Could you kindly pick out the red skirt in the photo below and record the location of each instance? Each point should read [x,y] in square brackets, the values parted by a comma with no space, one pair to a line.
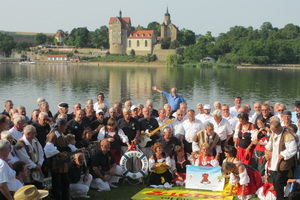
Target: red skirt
[243,157]
[116,154]
[253,185]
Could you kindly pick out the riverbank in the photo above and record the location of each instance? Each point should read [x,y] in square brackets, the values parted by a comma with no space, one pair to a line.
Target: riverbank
[270,66]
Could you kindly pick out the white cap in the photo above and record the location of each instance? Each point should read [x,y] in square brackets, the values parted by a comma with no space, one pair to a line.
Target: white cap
[206,107]
[133,107]
[99,111]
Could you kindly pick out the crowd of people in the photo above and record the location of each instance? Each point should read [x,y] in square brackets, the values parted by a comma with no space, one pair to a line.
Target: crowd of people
[81,149]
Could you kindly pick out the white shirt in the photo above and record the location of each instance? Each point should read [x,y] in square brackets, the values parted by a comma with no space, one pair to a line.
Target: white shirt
[15,133]
[35,149]
[121,133]
[223,129]
[233,111]
[191,129]
[152,162]
[177,128]
[50,149]
[290,151]
[204,118]
[161,123]
[96,105]
[243,178]
[232,120]
[8,175]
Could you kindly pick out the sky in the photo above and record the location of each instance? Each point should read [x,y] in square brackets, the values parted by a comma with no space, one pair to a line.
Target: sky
[200,16]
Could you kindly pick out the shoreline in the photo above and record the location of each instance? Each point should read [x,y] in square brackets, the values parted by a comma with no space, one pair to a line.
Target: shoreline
[270,66]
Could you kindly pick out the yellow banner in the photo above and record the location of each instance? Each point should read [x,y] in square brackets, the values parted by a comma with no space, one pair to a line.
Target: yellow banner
[173,194]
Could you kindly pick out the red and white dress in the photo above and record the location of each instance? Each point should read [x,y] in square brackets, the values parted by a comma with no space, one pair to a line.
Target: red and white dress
[208,162]
[250,178]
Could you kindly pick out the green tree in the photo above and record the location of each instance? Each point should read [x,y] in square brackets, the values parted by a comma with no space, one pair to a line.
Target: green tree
[41,38]
[186,37]
[165,44]
[23,46]
[174,59]
[79,37]
[174,44]
[6,43]
[99,38]
[156,27]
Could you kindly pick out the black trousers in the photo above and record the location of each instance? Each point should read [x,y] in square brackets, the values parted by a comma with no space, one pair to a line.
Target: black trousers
[280,180]
[187,146]
[294,195]
[60,186]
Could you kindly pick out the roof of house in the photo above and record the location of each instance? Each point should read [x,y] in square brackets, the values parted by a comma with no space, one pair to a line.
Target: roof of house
[60,34]
[141,34]
[58,56]
[123,20]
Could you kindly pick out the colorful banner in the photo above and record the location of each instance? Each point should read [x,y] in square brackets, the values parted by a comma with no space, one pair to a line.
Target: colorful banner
[175,194]
[204,178]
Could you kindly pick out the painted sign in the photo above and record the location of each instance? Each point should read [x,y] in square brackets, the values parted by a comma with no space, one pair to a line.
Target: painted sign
[204,178]
[175,194]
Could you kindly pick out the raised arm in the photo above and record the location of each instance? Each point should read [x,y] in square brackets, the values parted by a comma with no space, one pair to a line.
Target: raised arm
[156,89]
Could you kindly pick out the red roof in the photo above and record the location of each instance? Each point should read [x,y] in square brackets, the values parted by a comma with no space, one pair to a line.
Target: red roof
[60,34]
[141,34]
[124,19]
[58,56]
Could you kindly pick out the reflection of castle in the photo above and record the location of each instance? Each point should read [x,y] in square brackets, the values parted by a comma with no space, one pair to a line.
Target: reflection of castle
[122,37]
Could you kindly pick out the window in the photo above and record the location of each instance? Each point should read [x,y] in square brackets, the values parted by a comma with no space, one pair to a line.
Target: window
[146,43]
[143,35]
[137,35]
[129,43]
[138,43]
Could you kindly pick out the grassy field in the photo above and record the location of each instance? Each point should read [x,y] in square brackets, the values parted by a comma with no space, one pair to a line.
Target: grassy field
[124,192]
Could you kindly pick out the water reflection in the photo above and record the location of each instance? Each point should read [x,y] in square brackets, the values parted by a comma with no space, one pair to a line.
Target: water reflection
[74,83]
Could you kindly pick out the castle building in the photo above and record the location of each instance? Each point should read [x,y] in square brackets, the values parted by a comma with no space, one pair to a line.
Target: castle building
[119,30]
[167,28]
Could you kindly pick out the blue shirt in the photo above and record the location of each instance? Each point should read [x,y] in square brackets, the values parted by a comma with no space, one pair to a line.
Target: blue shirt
[174,102]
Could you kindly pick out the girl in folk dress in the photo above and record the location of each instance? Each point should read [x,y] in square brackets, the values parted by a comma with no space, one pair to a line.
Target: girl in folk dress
[248,179]
[205,159]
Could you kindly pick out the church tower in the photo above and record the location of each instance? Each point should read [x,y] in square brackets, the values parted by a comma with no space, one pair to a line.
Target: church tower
[167,28]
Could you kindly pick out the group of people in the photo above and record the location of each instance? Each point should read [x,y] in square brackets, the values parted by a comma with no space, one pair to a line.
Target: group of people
[82,149]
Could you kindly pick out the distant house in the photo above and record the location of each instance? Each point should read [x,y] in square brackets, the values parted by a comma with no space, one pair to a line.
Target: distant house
[141,41]
[75,59]
[2,54]
[208,59]
[60,37]
[58,57]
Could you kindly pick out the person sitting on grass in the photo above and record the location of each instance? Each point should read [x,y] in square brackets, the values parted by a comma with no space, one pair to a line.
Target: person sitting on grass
[80,179]
[104,168]
[205,159]
[159,165]
[181,161]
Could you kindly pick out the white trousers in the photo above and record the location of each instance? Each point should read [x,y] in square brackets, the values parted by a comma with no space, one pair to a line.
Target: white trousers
[101,185]
[80,188]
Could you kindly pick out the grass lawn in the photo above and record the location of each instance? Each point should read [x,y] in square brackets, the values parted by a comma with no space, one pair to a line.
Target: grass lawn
[124,192]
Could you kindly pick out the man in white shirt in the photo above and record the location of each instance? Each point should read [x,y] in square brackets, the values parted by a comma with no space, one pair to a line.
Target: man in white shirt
[206,117]
[283,146]
[230,118]
[30,151]
[257,111]
[19,123]
[237,104]
[191,127]
[176,126]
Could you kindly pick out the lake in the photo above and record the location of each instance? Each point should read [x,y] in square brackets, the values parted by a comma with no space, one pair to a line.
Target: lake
[23,84]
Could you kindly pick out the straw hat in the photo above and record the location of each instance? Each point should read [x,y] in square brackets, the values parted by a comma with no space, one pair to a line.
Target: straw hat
[30,192]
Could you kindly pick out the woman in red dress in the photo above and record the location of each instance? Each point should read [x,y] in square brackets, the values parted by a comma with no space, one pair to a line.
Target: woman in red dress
[243,139]
[248,179]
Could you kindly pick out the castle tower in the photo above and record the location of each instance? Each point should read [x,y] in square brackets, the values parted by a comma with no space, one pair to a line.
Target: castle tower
[119,29]
[167,18]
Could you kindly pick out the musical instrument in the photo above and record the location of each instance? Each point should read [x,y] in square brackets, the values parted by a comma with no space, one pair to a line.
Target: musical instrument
[143,139]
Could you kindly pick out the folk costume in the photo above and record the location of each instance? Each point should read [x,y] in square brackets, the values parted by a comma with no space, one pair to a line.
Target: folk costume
[160,175]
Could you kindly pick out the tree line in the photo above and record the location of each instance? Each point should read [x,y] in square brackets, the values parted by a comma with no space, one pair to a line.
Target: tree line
[266,45]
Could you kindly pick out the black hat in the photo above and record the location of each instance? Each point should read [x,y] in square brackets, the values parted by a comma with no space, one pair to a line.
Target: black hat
[298,115]
[64,105]
[297,103]
[286,112]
